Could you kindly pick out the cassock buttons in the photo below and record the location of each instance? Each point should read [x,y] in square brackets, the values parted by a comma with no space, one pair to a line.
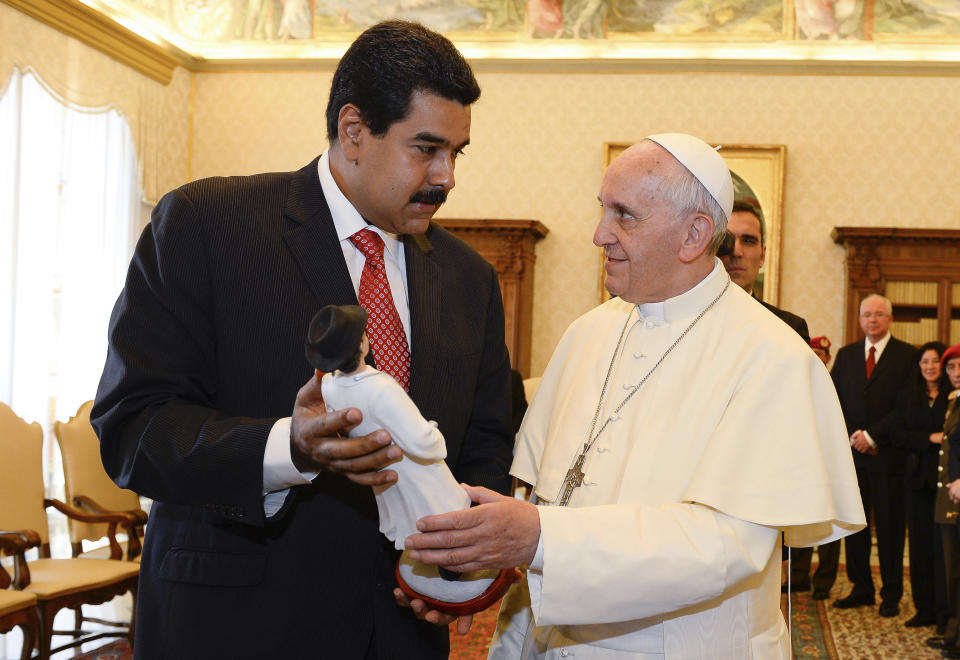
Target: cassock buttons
[939,484]
[627,386]
[614,417]
[639,355]
[941,452]
[939,468]
[602,450]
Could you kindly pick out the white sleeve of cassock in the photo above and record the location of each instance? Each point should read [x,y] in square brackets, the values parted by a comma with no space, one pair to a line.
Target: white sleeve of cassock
[633,561]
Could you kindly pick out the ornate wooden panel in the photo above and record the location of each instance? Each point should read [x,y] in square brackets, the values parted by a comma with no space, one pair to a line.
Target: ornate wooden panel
[878,255]
[510,246]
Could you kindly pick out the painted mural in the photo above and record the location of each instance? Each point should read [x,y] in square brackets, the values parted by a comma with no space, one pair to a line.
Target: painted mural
[917,17]
[282,21]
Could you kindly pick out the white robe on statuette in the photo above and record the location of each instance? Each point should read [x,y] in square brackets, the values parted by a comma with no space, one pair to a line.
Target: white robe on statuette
[424,486]
[671,547]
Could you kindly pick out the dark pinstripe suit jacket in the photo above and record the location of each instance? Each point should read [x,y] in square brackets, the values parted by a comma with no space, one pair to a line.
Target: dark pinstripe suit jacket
[206,352]
[870,404]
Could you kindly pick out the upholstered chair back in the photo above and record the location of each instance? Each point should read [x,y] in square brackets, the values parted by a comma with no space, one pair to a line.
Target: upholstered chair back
[21,475]
[530,386]
[83,474]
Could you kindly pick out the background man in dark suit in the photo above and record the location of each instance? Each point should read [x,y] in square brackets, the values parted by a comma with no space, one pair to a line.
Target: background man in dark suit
[263,541]
[868,375]
[743,263]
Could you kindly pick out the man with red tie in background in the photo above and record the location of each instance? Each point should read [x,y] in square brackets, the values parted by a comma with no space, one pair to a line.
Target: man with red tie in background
[868,375]
[264,538]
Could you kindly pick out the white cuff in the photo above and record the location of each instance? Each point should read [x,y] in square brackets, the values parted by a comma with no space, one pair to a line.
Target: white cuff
[279,471]
[537,563]
[870,441]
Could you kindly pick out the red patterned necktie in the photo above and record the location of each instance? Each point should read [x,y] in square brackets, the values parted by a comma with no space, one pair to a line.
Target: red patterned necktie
[871,361]
[384,329]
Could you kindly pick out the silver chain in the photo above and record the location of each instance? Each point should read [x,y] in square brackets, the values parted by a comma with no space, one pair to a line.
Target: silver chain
[606,381]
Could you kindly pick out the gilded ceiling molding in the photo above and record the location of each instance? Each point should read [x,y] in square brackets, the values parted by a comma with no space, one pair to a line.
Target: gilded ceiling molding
[157,56]
[79,21]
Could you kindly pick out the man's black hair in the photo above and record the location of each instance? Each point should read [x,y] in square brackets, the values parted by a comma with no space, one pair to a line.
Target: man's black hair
[388,63]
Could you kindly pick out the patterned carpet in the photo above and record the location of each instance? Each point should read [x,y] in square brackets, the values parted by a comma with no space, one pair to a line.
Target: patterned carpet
[819,631]
[859,633]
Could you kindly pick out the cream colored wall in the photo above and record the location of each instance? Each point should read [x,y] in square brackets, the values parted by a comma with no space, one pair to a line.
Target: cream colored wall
[870,151]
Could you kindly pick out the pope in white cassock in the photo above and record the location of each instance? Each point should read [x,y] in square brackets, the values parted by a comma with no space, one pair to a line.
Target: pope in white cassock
[677,431]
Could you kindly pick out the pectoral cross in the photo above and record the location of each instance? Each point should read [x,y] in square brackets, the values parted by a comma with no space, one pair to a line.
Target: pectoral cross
[574,478]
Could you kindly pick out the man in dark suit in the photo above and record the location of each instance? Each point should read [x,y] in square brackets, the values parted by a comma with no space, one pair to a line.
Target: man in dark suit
[868,375]
[263,541]
[744,261]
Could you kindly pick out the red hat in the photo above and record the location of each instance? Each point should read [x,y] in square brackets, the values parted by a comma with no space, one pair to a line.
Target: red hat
[820,342]
[949,354]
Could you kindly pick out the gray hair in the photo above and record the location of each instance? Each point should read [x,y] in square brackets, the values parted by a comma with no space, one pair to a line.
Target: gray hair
[877,296]
[688,196]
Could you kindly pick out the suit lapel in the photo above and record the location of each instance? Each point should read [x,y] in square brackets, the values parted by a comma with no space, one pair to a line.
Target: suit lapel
[424,290]
[312,240]
[884,361]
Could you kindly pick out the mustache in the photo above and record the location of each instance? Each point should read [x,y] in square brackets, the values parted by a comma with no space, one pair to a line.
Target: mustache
[434,196]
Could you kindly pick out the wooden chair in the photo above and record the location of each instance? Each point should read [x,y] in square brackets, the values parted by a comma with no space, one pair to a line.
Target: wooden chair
[89,489]
[530,386]
[56,583]
[17,608]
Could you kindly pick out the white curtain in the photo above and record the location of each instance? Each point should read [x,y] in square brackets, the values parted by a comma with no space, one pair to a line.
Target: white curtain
[69,209]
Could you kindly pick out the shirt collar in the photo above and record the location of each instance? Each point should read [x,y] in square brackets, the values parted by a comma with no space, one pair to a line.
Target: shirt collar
[346,219]
[689,303]
[880,345]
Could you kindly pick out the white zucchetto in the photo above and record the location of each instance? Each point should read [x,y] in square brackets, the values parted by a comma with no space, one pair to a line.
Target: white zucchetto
[703,162]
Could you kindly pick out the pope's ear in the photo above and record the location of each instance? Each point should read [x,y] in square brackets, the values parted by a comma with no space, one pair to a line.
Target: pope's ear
[698,232]
[350,128]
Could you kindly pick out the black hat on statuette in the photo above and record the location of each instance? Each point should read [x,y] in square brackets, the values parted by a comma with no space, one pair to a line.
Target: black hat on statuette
[334,336]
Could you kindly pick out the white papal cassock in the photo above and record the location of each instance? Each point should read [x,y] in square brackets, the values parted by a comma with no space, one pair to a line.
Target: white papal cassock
[671,547]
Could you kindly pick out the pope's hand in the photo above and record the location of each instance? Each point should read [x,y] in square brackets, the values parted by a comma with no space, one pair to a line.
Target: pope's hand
[424,613]
[318,441]
[501,532]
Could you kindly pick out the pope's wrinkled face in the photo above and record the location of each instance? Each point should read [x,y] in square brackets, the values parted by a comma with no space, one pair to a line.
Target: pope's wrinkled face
[638,229]
[930,366]
[953,371]
[407,172]
[875,319]
[744,262]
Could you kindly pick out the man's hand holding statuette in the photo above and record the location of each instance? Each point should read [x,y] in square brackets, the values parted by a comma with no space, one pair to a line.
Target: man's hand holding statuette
[318,441]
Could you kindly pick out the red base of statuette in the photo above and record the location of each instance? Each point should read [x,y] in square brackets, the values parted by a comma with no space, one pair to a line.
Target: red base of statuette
[491,595]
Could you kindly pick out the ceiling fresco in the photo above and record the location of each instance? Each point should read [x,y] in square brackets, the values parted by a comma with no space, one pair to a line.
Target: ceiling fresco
[297,28]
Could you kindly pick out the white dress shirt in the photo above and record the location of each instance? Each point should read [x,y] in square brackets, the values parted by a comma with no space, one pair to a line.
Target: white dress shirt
[879,346]
[279,472]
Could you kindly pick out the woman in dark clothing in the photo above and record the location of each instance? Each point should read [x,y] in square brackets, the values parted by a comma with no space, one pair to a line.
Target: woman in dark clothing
[918,428]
